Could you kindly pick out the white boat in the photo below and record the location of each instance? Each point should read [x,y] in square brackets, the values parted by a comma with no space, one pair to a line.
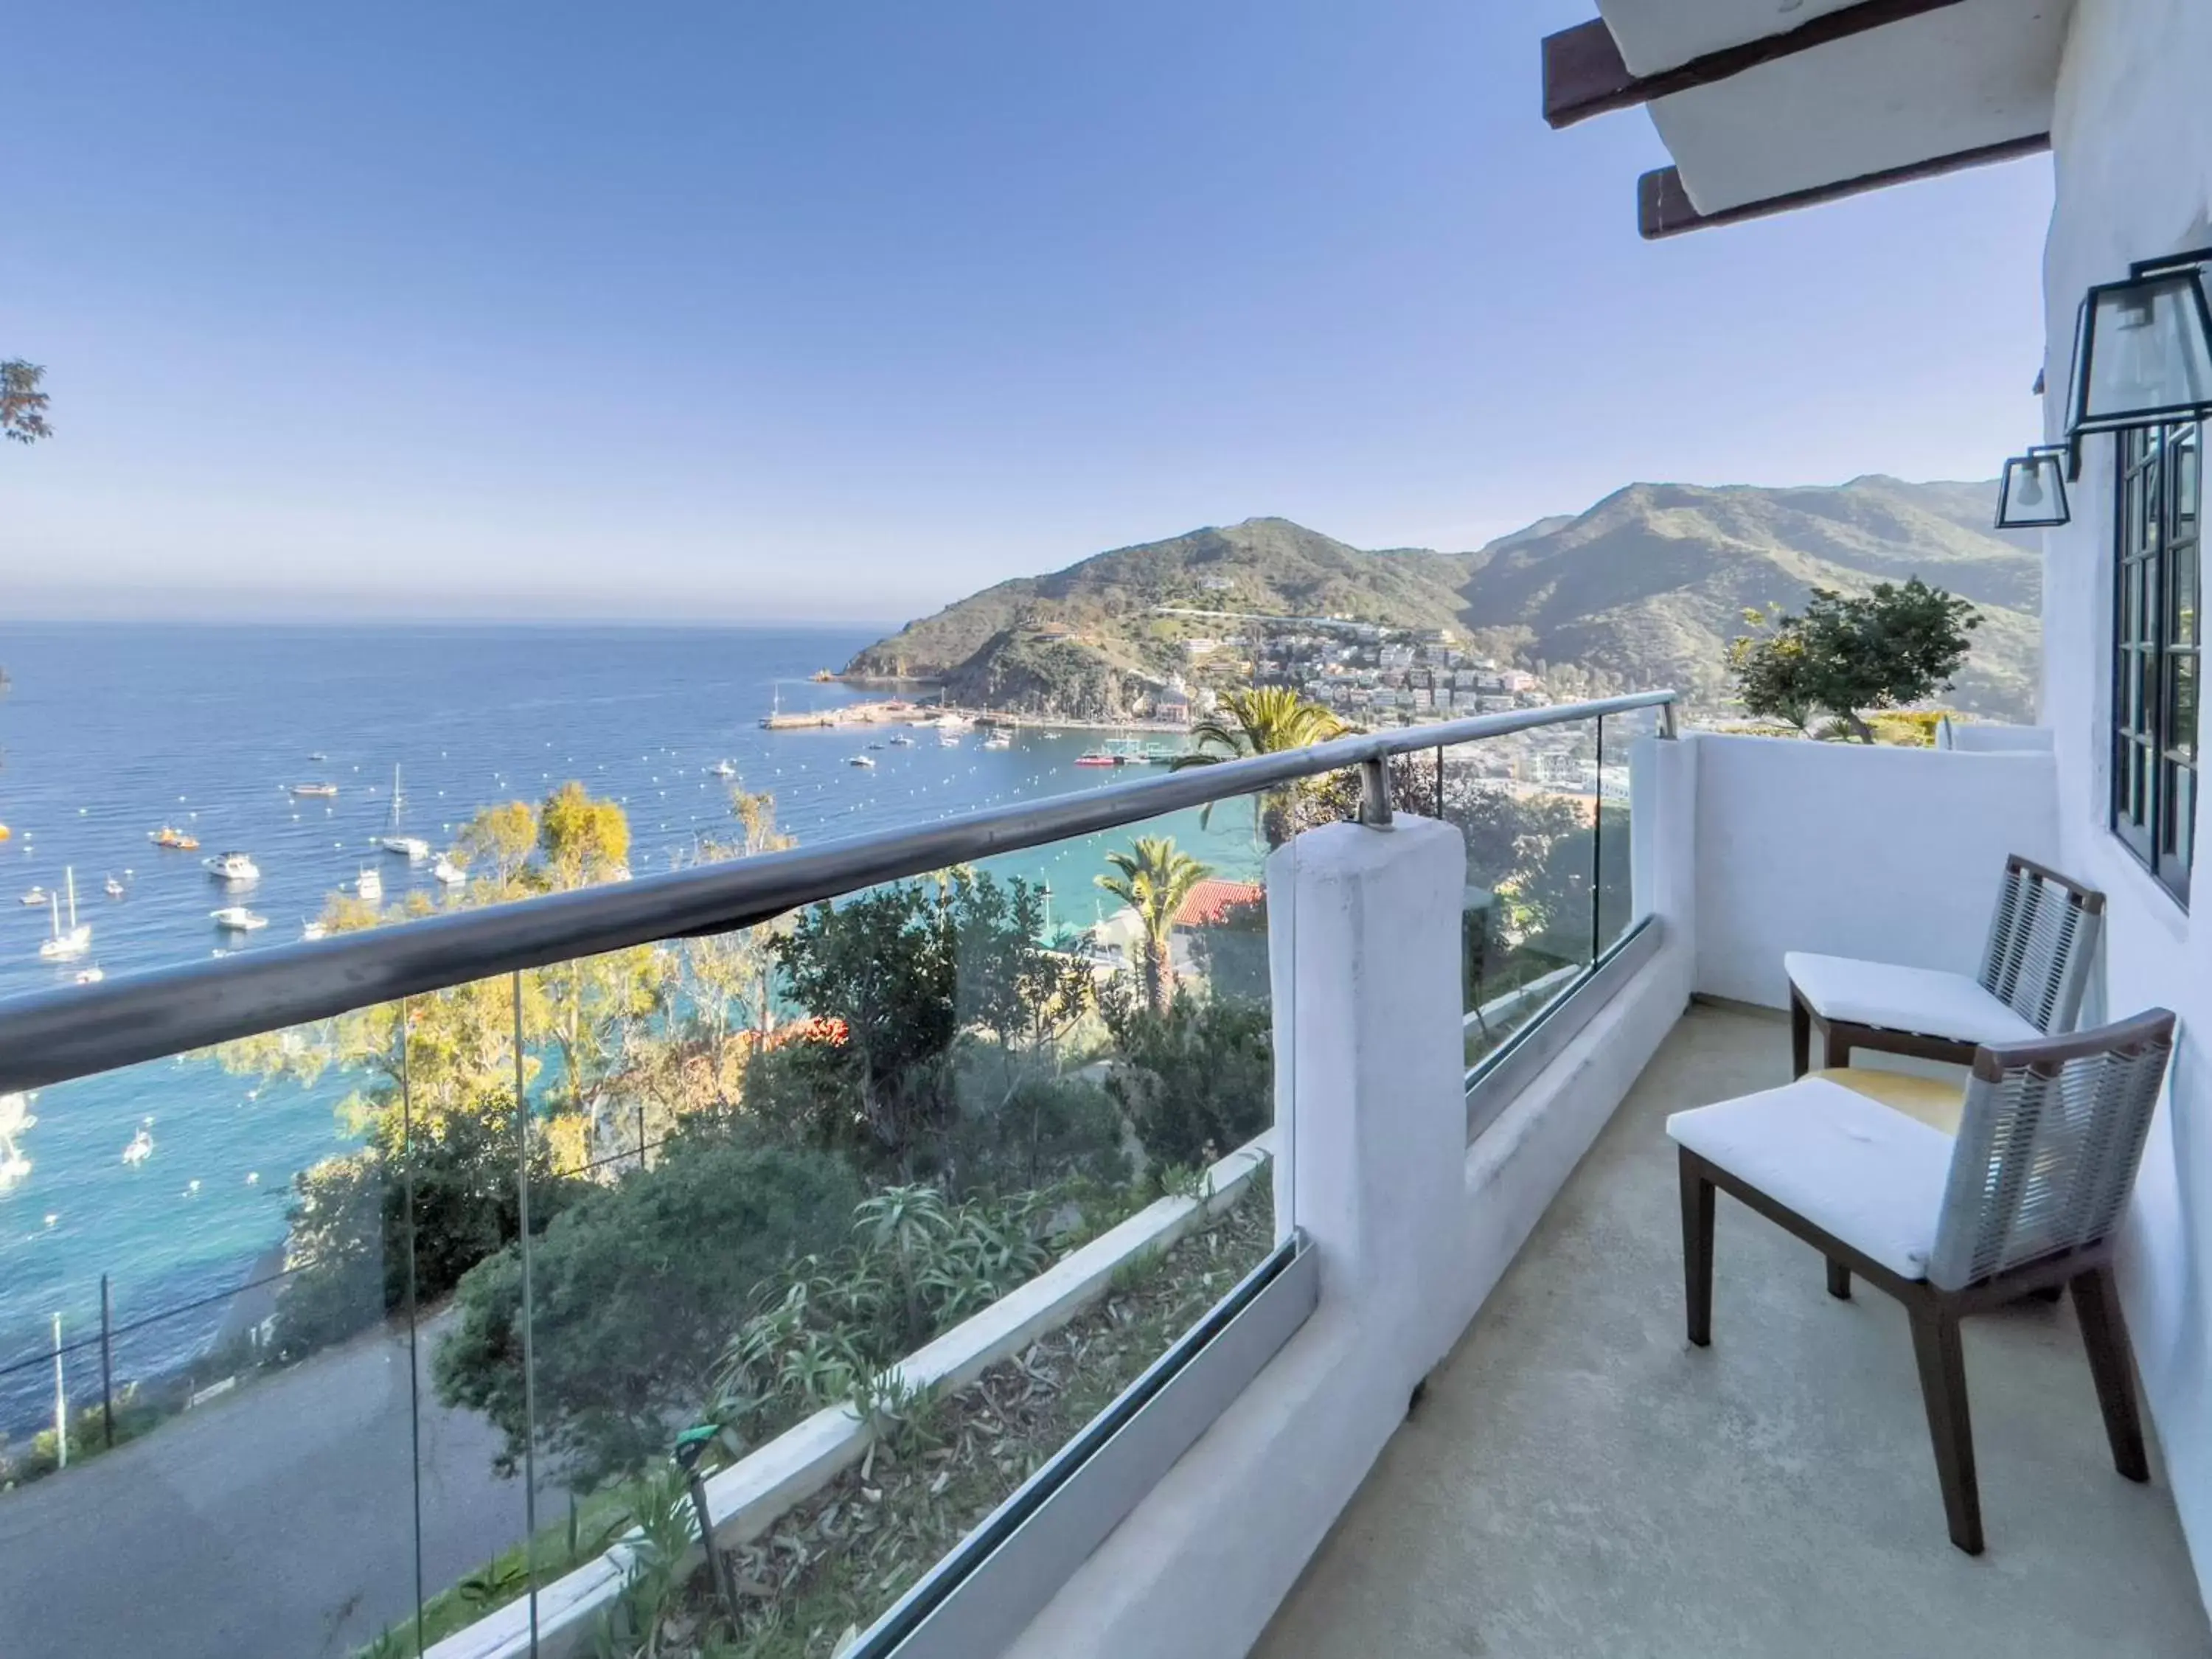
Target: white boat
[368,885]
[413,849]
[91,975]
[858,760]
[141,1147]
[313,930]
[901,741]
[37,895]
[948,739]
[237,919]
[232,866]
[15,1118]
[447,873]
[317,791]
[723,769]
[69,944]
[1000,740]
[115,888]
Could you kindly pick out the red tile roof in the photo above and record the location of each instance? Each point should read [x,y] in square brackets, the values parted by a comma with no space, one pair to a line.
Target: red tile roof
[1211,901]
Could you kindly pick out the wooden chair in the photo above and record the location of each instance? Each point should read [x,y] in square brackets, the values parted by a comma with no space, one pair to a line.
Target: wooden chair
[2033,970]
[2026,1198]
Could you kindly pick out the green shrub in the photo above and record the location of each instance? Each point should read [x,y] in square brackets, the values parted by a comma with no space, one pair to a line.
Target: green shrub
[1198,1081]
[634,1290]
[351,1223]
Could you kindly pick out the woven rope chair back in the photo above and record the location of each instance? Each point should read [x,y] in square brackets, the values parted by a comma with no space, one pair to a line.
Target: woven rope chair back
[2047,1148]
[2040,945]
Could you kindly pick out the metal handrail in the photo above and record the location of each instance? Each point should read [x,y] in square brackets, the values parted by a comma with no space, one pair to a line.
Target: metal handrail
[51,1036]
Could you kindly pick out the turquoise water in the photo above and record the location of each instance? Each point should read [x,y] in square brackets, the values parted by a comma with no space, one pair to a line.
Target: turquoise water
[109,731]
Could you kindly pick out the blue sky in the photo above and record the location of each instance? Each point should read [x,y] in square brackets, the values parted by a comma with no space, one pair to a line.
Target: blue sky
[841,311]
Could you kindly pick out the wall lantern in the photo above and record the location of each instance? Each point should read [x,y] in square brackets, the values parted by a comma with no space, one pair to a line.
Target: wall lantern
[2143,349]
[2032,496]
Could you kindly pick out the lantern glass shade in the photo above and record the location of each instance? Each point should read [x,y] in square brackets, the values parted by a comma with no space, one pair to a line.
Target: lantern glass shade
[2143,353]
[2032,496]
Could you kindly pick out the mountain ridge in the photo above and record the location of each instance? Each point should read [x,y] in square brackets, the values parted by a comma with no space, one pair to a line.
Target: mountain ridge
[1644,587]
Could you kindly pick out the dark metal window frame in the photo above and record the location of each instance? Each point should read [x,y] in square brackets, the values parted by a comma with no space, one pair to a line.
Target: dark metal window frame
[2157,637]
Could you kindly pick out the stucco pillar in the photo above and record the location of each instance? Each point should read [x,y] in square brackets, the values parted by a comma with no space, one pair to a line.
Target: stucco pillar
[1370,1110]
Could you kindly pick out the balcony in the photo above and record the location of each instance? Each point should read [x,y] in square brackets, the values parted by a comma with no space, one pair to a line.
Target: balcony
[1471,1198]
[1576,1478]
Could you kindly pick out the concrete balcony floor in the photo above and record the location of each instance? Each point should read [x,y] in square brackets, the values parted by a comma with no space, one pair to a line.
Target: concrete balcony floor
[1579,1481]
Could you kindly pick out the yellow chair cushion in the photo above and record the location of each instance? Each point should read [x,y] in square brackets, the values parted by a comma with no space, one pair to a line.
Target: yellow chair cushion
[1931,1101]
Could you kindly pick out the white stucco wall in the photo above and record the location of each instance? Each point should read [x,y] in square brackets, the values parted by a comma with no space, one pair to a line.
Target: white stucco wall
[1889,853]
[2133,164]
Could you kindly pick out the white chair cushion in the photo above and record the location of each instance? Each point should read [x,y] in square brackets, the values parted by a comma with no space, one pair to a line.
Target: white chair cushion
[1925,1000]
[1871,1177]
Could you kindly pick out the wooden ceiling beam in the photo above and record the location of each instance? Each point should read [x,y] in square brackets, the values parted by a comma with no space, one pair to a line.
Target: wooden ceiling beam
[1664,208]
[1585,76]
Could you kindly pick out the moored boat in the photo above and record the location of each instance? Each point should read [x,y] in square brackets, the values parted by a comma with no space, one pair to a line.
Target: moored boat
[168,835]
[232,866]
[237,919]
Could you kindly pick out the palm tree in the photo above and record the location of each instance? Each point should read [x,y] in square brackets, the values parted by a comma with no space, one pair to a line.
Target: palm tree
[1153,878]
[1264,720]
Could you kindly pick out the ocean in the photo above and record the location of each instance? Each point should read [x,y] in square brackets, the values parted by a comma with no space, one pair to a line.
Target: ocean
[108,731]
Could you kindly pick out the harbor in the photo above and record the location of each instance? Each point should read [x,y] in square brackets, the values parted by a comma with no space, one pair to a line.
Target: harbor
[901,711]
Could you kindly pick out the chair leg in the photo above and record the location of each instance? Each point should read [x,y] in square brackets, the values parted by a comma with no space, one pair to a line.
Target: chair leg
[1942,1364]
[1835,1048]
[2104,1333]
[1800,1036]
[1839,1280]
[1698,1250]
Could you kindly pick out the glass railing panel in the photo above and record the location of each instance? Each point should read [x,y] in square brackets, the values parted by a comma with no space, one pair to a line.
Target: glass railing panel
[1620,905]
[1527,805]
[957,1082]
[216,1456]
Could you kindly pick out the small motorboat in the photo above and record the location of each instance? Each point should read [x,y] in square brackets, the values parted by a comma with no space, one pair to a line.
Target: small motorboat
[232,866]
[91,975]
[115,888]
[177,840]
[858,760]
[37,895]
[948,739]
[1000,740]
[722,768]
[447,873]
[317,791]
[141,1147]
[1098,757]
[901,741]
[1053,735]
[369,885]
[313,931]
[319,756]
[237,919]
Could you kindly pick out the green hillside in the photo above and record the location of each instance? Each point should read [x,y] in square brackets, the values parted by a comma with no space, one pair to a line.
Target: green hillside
[1643,589]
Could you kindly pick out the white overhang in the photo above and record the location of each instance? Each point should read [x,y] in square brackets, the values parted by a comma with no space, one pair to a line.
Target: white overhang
[1771,104]
[1963,80]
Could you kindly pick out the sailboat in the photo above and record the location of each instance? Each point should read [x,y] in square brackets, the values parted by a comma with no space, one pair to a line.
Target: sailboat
[65,946]
[410,848]
[15,1118]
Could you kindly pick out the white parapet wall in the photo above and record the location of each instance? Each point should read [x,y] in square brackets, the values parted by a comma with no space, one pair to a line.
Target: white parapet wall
[1413,1226]
[1855,850]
